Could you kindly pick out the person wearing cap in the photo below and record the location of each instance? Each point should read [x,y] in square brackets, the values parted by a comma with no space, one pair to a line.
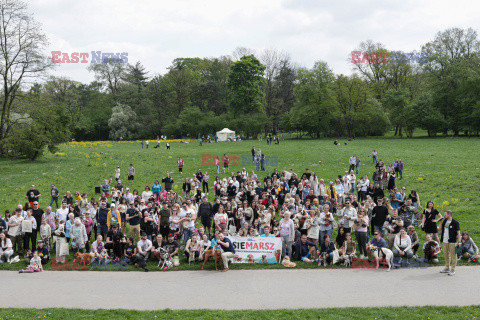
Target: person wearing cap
[113,217]
[332,191]
[115,241]
[144,247]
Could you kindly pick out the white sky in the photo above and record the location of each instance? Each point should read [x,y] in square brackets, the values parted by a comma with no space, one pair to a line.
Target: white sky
[156,32]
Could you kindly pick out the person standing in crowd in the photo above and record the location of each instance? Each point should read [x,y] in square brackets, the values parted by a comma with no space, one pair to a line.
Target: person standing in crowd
[180,165]
[352,162]
[450,238]
[205,183]
[106,188]
[226,161]
[133,218]
[168,145]
[29,229]
[32,195]
[379,216]
[375,156]
[54,193]
[147,143]
[400,167]
[429,220]
[167,182]
[15,231]
[117,173]
[131,174]
[357,163]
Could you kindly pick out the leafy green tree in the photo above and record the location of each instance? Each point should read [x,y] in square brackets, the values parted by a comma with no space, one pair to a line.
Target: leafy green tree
[246,84]
[315,107]
[123,122]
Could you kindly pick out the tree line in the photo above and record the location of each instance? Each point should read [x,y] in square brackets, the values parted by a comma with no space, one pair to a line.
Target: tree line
[250,93]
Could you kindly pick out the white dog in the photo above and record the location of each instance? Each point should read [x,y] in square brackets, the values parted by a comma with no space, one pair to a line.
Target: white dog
[385,252]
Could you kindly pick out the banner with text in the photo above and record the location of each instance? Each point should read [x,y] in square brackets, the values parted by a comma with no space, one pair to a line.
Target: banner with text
[257,250]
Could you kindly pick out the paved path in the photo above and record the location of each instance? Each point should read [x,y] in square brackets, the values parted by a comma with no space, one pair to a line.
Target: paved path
[242,289]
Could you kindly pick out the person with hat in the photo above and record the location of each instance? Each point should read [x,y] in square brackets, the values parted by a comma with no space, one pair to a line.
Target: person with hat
[115,241]
[144,247]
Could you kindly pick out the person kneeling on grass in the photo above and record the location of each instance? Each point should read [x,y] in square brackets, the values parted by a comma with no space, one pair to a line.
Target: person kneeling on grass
[431,249]
[403,245]
[306,251]
[227,248]
[35,264]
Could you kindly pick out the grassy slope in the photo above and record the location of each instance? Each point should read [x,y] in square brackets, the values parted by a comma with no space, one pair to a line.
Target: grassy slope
[471,312]
[445,170]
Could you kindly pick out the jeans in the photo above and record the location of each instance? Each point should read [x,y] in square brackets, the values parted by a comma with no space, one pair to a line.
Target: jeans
[374,159]
[52,200]
[286,245]
[362,239]
[356,167]
[321,234]
[401,174]
[470,251]
[187,233]
[379,228]
[102,229]
[6,255]
[408,253]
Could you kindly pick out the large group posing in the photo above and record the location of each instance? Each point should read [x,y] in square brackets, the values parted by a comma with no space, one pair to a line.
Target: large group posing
[133,227]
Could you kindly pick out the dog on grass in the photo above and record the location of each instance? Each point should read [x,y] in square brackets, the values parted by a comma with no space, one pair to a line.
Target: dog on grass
[378,253]
[166,257]
[83,257]
[211,253]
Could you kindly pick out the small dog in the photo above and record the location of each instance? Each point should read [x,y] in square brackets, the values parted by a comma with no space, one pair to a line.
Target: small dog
[83,257]
[322,259]
[348,260]
[191,257]
[287,263]
[250,258]
[166,257]
[212,253]
[377,252]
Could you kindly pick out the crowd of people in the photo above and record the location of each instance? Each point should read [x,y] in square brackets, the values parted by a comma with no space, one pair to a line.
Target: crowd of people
[317,221]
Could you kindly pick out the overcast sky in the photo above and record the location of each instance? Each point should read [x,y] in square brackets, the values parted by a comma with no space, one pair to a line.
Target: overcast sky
[156,32]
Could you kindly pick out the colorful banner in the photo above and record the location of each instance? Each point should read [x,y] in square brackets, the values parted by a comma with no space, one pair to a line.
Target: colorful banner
[257,249]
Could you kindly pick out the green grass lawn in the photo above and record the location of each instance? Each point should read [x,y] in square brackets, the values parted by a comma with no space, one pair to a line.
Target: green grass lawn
[470,312]
[445,170]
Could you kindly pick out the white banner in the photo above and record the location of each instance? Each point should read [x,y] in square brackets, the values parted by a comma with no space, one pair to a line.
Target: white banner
[257,249]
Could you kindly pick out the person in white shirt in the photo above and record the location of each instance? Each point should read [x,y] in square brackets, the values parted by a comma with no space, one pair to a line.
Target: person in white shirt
[187,218]
[62,213]
[351,178]
[29,229]
[352,161]
[144,247]
[147,194]
[6,250]
[15,231]
[363,188]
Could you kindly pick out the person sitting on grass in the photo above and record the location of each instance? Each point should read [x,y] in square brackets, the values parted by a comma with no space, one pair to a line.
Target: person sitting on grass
[130,251]
[326,250]
[43,252]
[469,249]
[414,239]
[306,251]
[403,245]
[431,249]
[35,264]
[6,250]
[172,247]
[144,247]
[192,248]
[228,251]
[349,247]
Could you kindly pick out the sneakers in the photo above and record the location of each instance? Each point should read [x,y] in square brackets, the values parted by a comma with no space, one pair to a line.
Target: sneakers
[451,273]
[459,258]
[445,271]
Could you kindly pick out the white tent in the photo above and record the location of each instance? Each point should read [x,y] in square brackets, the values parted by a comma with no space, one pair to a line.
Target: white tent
[224,134]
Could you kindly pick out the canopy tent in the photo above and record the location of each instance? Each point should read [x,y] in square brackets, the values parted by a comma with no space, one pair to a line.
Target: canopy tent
[224,134]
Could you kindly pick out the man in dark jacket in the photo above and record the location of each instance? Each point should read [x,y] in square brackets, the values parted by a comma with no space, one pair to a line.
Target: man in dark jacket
[450,238]
[306,251]
[168,181]
[102,214]
[379,216]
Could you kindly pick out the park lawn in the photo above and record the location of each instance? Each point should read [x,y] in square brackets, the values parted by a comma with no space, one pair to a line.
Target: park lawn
[445,170]
[429,312]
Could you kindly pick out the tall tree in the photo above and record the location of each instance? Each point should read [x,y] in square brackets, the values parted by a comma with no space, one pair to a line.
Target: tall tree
[22,44]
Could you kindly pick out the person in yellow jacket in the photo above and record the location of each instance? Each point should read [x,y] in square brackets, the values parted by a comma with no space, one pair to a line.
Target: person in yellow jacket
[113,216]
[331,191]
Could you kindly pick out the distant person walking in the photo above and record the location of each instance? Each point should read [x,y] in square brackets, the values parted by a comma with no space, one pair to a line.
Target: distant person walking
[375,156]
[131,174]
[352,161]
